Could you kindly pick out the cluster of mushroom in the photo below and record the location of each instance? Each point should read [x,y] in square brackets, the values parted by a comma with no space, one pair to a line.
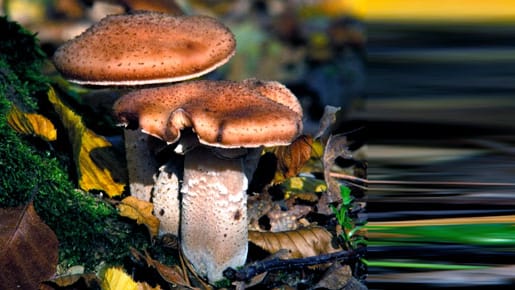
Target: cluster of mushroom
[222,124]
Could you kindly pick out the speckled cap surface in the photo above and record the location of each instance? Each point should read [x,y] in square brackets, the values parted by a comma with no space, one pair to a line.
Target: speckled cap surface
[145,48]
[224,114]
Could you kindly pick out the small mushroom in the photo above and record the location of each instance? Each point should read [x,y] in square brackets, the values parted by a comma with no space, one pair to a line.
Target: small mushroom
[227,118]
[139,49]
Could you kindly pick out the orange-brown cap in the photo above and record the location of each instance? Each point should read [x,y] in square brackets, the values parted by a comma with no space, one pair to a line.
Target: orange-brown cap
[145,48]
[224,114]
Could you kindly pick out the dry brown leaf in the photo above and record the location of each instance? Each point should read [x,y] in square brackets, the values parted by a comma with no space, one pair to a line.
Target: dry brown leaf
[31,124]
[336,277]
[141,212]
[258,206]
[28,249]
[97,167]
[287,220]
[337,146]
[171,274]
[327,121]
[291,158]
[302,243]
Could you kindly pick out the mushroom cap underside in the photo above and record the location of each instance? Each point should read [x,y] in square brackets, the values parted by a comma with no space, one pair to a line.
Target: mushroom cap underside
[224,114]
[145,48]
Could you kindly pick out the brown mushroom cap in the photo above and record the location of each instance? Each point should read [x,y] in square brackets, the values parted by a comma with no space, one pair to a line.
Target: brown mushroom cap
[224,114]
[277,92]
[145,48]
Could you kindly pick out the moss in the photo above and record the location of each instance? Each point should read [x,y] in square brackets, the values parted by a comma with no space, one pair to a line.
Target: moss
[89,229]
[21,52]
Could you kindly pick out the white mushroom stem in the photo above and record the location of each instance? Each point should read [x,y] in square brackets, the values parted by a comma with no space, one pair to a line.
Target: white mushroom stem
[214,232]
[148,183]
[141,164]
[165,197]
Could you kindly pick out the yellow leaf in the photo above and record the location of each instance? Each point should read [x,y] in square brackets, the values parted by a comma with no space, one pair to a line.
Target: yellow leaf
[87,145]
[117,279]
[141,212]
[31,124]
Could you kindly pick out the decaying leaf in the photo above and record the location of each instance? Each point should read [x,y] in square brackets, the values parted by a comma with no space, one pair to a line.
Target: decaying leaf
[336,277]
[257,206]
[336,146]
[31,124]
[28,249]
[171,274]
[291,158]
[141,212]
[328,119]
[287,220]
[302,243]
[86,145]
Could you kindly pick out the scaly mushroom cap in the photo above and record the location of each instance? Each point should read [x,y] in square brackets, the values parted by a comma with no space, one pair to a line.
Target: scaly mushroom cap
[224,114]
[145,48]
[276,92]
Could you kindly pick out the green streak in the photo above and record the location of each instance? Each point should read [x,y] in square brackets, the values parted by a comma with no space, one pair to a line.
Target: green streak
[415,265]
[495,234]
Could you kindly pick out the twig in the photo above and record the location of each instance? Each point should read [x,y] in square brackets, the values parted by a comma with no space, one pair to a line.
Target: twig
[257,268]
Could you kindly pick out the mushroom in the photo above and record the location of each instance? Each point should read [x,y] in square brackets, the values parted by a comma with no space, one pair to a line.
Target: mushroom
[145,48]
[226,118]
[140,49]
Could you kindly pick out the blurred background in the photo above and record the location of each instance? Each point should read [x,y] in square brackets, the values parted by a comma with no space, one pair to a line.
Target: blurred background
[439,116]
[429,87]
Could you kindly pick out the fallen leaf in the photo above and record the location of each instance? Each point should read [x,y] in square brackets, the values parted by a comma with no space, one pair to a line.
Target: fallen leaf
[336,277]
[28,249]
[297,185]
[141,212]
[86,145]
[287,220]
[257,206]
[31,124]
[328,119]
[291,158]
[117,279]
[301,243]
[337,146]
[171,274]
